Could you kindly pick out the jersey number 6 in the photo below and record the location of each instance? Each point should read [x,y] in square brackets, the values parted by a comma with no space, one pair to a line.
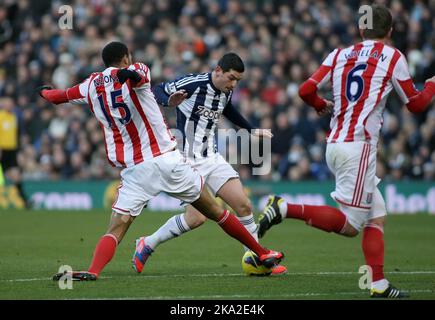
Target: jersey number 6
[357,80]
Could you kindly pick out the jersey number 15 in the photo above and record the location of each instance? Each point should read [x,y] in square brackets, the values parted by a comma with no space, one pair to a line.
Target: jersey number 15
[116,97]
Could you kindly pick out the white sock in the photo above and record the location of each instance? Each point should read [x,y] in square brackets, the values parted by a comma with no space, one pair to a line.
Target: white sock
[249,223]
[283,209]
[380,285]
[174,227]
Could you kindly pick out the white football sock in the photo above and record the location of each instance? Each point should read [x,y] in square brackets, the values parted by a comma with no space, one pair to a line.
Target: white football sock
[380,285]
[174,227]
[249,223]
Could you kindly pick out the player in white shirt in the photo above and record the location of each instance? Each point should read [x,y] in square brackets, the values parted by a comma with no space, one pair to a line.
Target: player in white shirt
[138,140]
[362,76]
[200,100]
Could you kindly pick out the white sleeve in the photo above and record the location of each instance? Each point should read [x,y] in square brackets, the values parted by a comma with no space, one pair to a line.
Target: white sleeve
[402,81]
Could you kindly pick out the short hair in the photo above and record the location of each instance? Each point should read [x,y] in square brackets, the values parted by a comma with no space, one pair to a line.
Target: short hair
[231,61]
[113,53]
[382,23]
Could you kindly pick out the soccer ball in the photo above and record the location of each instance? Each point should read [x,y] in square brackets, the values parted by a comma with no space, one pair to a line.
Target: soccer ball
[252,266]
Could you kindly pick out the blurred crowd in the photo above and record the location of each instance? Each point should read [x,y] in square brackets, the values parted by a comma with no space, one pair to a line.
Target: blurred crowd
[281,43]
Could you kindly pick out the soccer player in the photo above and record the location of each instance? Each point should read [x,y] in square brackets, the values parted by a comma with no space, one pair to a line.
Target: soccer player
[138,140]
[362,77]
[200,100]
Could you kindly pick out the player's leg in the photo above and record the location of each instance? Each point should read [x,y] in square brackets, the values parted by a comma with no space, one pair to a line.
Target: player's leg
[175,227]
[172,181]
[224,182]
[353,166]
[325,218]
[232,226]
[106,247]
[232,193]
[133,195]
[182,182]
[373,249]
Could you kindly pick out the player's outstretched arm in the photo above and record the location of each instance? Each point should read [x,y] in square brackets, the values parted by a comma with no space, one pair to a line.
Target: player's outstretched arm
[59,96]
[420,101]
[308,93]
[416,101]
[232,114]
[168,100]
[176,98]
[308,89]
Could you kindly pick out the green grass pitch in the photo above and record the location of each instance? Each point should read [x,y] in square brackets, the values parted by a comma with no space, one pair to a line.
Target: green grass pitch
[205,263]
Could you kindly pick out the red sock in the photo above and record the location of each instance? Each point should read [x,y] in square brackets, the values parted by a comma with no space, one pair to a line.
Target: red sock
[373,248]
[322,217]
[103,253]
[235,229]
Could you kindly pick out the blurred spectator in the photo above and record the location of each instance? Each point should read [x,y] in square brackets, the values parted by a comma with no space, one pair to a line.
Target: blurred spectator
[9,145]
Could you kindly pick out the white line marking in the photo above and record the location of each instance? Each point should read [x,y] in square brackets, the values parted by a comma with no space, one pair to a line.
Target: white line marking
[211,275]
[244,296]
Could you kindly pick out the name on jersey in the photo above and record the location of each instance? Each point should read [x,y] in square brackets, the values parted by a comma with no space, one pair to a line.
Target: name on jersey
[366,53]
[100,81]
[207,113]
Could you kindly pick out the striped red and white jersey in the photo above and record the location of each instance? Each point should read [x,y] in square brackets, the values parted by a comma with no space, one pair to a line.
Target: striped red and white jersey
[133,125]
[362,76]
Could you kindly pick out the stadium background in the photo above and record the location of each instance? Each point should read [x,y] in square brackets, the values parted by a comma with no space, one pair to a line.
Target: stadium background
[63,161]
[61,150]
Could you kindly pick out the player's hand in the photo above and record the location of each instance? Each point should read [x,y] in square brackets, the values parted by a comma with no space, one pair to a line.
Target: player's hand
[176,98]
[125,74]
[327,109]
[42,88]
[264,133]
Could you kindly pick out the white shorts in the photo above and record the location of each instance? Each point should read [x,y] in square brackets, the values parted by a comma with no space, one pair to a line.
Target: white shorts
[166,173]
[215,171]
[354,167]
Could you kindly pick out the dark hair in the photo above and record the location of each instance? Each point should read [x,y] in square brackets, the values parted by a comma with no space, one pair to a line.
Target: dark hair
[113,53]
[382,23]
[231,61]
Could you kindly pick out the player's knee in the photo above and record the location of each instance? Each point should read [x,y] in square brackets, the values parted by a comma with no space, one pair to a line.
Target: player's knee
[119,224]
[377,222]
[244,209]
[115,233]
[349,231]
[352,234]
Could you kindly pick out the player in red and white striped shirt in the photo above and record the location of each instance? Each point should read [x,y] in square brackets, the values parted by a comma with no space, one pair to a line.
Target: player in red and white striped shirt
[134,129]
[137,139]
[362,76]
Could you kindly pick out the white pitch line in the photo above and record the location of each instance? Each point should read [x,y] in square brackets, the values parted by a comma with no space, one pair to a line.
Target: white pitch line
[246,296]
[24,280]
[207,275]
